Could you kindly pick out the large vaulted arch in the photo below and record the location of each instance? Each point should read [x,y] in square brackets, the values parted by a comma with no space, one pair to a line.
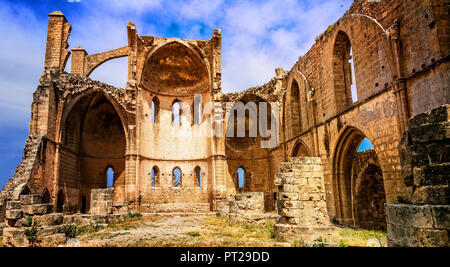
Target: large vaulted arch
[93,139]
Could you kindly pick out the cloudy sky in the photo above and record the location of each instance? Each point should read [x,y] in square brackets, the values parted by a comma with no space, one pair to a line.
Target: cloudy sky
[257,37]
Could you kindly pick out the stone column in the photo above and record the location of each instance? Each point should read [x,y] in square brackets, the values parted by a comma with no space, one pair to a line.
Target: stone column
[78,61]
[301,202]
[56,52]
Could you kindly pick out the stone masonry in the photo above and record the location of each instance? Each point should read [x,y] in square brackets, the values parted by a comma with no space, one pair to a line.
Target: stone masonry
[248,208]
[301,202]
[102,201]
[397,51]
[423,218]
[30,214]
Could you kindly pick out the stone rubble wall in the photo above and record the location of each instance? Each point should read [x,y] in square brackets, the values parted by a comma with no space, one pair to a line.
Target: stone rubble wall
[301,202]
[422,220]
[23,174]
[29,213]
[246,208]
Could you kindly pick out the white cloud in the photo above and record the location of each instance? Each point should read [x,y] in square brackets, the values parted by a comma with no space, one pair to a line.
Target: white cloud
[22,59]
[257,37]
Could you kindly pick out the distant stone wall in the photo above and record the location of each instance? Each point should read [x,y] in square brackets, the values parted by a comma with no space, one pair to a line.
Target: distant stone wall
[301,202]
[425,159]
[368,191]
[174,207]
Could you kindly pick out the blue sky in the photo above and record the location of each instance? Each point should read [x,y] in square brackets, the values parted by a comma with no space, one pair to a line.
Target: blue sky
[257,37]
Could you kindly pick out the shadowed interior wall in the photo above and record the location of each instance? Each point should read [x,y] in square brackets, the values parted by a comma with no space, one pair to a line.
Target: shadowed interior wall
[94,140]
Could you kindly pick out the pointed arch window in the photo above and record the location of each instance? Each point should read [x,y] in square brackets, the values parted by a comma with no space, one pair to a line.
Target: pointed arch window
[198,176]
[241,177]
[177,177]
[110,177]
[176,113]
[155,177]
[344,72]
[155,110]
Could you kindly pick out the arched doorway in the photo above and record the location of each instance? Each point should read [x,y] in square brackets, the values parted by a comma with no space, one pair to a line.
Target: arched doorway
[93,139]
[358,182]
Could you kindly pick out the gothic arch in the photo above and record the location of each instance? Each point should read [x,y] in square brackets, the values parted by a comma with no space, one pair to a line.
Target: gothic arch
[197,69]
[298,95]
[93,137]
[300,150]
[74,99]
[368,41]
[345,149]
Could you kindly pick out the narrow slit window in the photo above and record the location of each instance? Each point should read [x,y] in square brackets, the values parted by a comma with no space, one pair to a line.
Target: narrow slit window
[241,177]
[177,177]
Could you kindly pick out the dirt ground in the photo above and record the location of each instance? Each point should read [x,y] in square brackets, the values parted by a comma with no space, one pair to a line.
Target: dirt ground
[199,231]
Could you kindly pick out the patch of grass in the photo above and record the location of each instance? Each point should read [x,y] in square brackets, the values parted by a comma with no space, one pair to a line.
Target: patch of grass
[342,244]
[299,243]
[69,230]
[220,231]
[193,234]
[136,215]
[88,229]
[359,238]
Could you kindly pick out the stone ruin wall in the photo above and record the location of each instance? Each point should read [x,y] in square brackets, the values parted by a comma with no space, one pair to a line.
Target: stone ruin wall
[422,218]
[400,57]
[400,51]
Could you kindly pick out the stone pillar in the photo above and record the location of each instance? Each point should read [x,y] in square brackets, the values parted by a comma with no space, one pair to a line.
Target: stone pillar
[301,202]
[56,52]
[422,219]
[102,201]
[78,61]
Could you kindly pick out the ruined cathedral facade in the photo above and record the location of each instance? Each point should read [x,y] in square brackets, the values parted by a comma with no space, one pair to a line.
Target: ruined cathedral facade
[395,53]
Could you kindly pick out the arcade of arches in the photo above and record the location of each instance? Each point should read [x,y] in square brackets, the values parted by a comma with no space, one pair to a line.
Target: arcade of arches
[364,77]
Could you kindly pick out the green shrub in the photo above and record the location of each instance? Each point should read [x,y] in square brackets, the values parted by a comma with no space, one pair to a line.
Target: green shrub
[69,230]
[31,235]
[29,221]
[136,215]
